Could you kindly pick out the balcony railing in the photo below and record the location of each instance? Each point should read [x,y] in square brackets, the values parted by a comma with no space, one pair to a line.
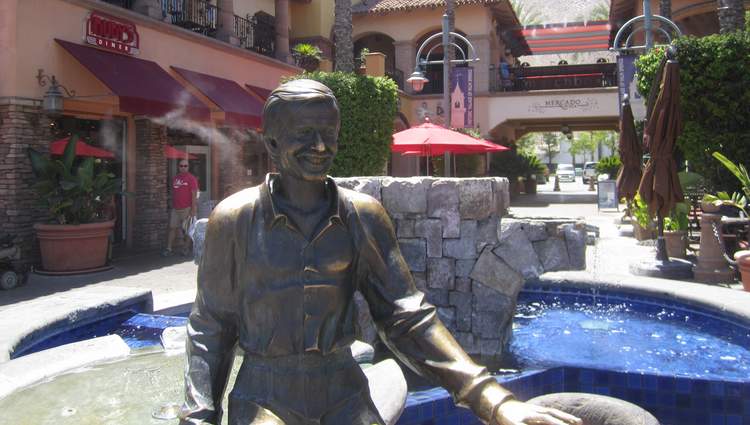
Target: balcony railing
[196,15]
[127,4]
[554,77]
[256,33]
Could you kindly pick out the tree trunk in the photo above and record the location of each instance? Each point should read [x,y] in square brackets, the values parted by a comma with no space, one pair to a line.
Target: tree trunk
[342,36]
[731,15]
[665,8]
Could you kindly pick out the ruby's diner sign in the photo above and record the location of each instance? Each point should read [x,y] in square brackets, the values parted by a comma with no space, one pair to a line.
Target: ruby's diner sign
[111,33]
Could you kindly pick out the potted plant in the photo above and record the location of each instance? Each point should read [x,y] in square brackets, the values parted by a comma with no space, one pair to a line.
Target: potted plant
[508,164]
[531,168]
[675,231]
[743,264]
[307,56]
[608,165]
[362,59]
[643,227]
[75,194]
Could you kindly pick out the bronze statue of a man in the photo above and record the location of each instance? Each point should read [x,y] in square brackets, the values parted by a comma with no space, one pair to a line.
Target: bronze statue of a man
[282,261]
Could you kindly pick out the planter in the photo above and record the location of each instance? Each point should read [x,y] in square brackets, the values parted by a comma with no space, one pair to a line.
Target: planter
[308,63]
[676,243]
[642,233]
[69,248]
[530,186]
[743,263]
[514,188]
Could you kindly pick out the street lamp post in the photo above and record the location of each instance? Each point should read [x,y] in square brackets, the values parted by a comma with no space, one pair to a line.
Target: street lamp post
[418,80]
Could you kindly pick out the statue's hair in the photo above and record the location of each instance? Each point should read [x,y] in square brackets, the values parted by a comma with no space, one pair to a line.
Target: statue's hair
[288,97]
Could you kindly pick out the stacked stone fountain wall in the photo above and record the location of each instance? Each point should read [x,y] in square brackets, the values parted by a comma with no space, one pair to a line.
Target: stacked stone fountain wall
[468,262]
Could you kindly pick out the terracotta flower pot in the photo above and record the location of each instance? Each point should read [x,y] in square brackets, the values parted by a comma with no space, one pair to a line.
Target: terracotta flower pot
[676,243]
[743,263]
[642,233]
[530,186]
[67,248]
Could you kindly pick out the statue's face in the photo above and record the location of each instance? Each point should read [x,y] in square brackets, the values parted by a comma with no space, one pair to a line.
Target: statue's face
[306,148]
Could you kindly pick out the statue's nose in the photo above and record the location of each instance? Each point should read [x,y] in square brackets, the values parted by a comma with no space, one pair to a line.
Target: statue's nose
[318,145]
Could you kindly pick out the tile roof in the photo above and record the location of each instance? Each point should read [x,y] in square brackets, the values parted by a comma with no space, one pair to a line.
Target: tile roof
[388,6]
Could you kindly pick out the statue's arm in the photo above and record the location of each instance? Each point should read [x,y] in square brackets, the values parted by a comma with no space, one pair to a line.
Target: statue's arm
[212,328]
[409,325]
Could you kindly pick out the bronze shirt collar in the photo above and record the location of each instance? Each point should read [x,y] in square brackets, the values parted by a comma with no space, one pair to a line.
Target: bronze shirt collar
[273,214]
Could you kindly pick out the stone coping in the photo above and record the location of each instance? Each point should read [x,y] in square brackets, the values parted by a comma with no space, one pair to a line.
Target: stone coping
[37,367]
[726,302]
[26,322]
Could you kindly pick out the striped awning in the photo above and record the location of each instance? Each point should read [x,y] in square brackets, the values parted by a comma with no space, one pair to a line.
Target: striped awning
[567,38]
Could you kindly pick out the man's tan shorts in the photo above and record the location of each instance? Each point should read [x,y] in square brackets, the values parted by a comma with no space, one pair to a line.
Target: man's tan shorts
[176,217]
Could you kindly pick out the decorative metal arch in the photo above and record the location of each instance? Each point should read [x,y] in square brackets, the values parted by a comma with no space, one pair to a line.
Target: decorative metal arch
[641,19]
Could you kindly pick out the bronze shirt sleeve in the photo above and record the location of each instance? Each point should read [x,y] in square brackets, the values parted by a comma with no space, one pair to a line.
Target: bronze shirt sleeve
[212,328]
[408,324]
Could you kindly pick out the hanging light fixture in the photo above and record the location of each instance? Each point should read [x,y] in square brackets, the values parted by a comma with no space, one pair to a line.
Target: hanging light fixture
[52,102]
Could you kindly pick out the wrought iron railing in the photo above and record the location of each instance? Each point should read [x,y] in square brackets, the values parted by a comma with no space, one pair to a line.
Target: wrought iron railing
[256,33]
[127,4]
[196,15]
[554,77]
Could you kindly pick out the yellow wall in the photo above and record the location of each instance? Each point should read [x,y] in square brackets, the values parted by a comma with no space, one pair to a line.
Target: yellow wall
[409,26]
[242,8]
[41,21]
[314,19]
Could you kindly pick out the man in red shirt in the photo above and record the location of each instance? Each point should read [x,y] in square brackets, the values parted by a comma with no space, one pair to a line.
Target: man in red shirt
[184,206]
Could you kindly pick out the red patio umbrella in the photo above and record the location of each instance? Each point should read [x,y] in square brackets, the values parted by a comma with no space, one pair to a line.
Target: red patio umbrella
[174,153]
[82,149]
[428,139]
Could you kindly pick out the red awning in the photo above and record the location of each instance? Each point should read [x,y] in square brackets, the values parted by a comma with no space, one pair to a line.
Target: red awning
[260,91]
[142,86]
[240,107]
[171,152]
[567,38]
[82,149]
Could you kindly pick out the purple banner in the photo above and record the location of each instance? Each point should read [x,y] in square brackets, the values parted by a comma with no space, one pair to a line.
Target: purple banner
[628,85]
[462,97]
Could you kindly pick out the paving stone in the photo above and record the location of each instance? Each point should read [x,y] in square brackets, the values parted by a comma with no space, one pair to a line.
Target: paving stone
[535,231]
[476,199]
[463,267]
[519,253]
[501,191]
[405,195]
[596,409]
[488,231]
[491,347]
[463,284]
[442,198]
[369,186]
[465,247]
[415,253]
[467,341]
[487,324]
[441,273]
[420,281]
[405,228]
[451,222]
[432,231]
[488,299]
[492,271]
[463,302]
[437,297]
[553,254]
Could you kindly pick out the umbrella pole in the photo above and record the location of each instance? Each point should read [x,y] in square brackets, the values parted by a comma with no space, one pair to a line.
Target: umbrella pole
[661,243]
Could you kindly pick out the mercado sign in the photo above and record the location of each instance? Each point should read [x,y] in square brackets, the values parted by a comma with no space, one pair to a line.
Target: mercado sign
[565,104]
[111,33]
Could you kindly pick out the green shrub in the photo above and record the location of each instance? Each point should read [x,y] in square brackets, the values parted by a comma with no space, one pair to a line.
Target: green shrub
[678,219]
[609,165]
[531,165]
[507,164]
[640,212]
[368,105]
[715,100]
[307,50]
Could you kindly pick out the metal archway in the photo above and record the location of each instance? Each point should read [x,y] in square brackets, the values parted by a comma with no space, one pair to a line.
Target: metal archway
[646,27]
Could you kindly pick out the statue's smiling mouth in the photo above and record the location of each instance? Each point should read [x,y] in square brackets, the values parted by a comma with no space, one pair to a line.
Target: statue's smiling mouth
[316,160]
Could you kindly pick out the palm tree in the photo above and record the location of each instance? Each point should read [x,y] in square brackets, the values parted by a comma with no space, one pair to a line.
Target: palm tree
[526,15]
[342,36]
[665,8]
[600,11]
[731,15]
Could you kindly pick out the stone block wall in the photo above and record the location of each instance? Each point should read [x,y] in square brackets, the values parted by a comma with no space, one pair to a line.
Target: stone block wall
[151,194]
[22,125]
[468,262]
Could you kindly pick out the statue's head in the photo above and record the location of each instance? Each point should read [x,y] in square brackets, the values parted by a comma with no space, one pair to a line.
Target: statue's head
[301,127]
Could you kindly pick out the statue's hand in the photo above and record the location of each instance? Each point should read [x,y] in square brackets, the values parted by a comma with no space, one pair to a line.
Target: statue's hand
[514,412]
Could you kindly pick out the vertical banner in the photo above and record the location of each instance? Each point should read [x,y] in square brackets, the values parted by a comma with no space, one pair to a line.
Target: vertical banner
[628,85]
[462,97]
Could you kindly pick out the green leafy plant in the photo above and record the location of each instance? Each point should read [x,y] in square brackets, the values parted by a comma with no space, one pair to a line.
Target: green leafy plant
[678,219]
[738,170]
[609,165]
[362,58]
[736,200]
[73,192]
[714,98]
[641,213]
[507,164]
[307,50]
[367,105]
[531,165]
